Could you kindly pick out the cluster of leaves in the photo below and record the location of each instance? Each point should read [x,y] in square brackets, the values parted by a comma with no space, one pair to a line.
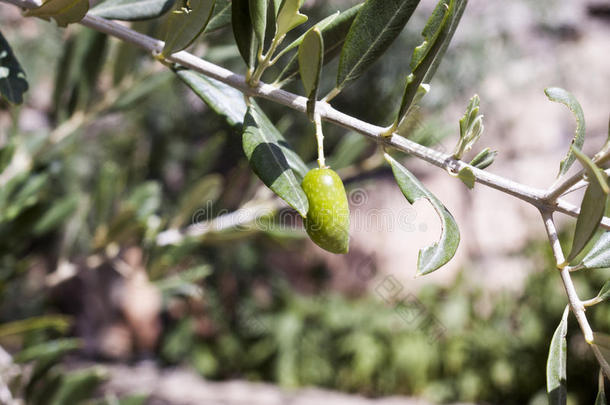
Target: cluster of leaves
[364,345]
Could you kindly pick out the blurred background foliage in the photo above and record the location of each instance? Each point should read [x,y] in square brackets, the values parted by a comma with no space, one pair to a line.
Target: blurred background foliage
[114,150]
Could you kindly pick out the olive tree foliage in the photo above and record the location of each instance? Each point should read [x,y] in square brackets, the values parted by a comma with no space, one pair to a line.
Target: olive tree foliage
[273,55]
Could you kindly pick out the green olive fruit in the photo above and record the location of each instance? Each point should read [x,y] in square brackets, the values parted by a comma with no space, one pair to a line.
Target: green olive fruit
[327,221]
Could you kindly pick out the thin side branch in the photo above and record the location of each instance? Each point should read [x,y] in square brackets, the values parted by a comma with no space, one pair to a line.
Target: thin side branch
[578,309]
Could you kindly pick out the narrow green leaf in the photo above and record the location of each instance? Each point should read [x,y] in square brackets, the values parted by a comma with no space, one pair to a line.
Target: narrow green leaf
[52,348]
[132,10]
[591,209]
[484,158]
[556,364]
[57,322]
[601,392]
[221,16]
[63,12]
[377,25]
[471,128]
[258,16]
[311,53]
[58,213]
[594,173]
[288,16]
[12,77]
[437,34]
[334,30]
[562,96]
[186,23]
[435,256]
[604,293]
[270,158]
[221,98]
[243,31]
[78,386]
[467,177]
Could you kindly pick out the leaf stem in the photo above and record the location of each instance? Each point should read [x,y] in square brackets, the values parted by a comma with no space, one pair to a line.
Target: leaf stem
[320,139]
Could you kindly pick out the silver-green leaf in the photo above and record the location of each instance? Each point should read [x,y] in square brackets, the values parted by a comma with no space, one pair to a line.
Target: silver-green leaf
[131,10]
[599,255]
[12,77]
[377,25]
[556,364]
[64,12]
[311,53]
[592,207]
[186,23]
[270,157]
[243,31]
[562,96]
[223,99]
[467,177]
[432,257]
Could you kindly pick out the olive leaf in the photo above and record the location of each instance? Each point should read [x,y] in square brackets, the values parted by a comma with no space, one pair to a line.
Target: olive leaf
[467,177]
[334,29]
[592,207]
[377,25]
[272,160]
[602,345]
[432,257]
[131,10]
[186,23]
[258,16]
[243,31]
[604,293]
[426,57]
[289,17]
[471,128]
[562,96]
[601,393]
[221,16]
[223,99]
[12,77]
[311,53]
[599,255]
[63,12]
[484,158]
[556,363]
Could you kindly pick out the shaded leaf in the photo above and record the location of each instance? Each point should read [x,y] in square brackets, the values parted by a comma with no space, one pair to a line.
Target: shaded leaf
[258,16]
[58,213]
[560,95]
[467,177]
[63,12]
[556,363]
[186,23]
[591,211]
[52,348]
[131,10]
[221,16]
[244,31]
[602,345]
[198,199]
[78,386]
[334,30]
[311,52]
[377,25]
[435,256]
[59,323]
[221,98]
[601,393]
[270,158]
[604,293]
[12,77]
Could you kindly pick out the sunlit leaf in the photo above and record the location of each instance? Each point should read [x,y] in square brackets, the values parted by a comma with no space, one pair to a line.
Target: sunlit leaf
[12,77]
[63,12]
[467,177]
[289,16]
[258,16]
[49,348]
[311,52]
[484,158]
[591,209]
[270,158]
[435,256]
[77,386]
[560,95]
[377,25]
[334,30]
[593,171]
[599,255]
[221,98]
[187,21]
[59,323]
[556,364]
[132,10]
